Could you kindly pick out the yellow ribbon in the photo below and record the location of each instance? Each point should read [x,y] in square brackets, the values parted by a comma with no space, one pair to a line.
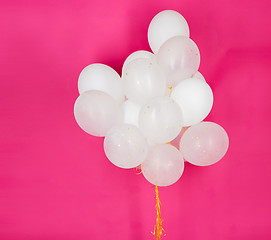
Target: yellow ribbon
[158,229]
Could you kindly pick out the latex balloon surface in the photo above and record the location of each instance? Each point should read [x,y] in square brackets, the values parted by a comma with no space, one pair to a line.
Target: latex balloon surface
[179,57]
[136,55]
[96,112]
[204,144]
[165,25]
[143,80]
[163,166]
[195,98]
[160,120]
[130,112]
[101,77]
[125,146]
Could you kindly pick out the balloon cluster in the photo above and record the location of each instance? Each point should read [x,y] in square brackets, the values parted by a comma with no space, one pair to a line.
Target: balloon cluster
[160,96]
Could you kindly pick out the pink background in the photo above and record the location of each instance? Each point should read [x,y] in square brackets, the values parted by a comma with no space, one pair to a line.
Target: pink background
[55,181]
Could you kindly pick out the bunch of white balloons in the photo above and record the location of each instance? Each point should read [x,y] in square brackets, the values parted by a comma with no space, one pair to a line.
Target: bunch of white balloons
[157,98]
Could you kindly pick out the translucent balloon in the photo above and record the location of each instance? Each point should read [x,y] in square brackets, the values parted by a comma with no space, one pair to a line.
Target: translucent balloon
[198,75]
[101,77]
[136,55]
[180,59]
[143,80]
[130,112]
[96,112]
[204,144]
[160,120]
[163,166]
[195,98]
[165,25]
[125,146]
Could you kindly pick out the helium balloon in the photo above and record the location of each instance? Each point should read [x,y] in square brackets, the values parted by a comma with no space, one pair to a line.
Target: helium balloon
[160,120]
[136,55]
[204,144]
[198,75]
[179,57]
[143,80]
[165,25]
[195,99]
[101,77]
[163,166]
[96,112]
[125,146]
[130,112]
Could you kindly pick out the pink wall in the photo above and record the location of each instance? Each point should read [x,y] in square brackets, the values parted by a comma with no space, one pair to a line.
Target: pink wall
[55,181]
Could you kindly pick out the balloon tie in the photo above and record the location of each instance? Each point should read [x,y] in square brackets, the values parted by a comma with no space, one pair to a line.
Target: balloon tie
[158,229]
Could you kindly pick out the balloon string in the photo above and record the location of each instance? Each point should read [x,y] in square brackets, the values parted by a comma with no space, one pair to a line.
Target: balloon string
[170,88]
[158,229]
[138,168]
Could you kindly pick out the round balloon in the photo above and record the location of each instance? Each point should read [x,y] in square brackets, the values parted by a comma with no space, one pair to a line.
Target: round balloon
[179,57]
[204,144]
[136,55]
[160,120]
[163,166]
[125,146]
[165,25]
[195,98]
[143,80]
[101,77]
[96,112]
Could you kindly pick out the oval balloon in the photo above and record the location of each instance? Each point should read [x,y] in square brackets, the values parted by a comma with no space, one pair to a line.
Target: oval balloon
[179,57]
[160,120]
[96,112]
[125,146]
[204,144]
[143,80]
[163,166]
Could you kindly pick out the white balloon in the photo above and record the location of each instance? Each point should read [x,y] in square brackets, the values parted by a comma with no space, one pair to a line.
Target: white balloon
[179,57]
[101,77]
[195,98]
[165,25]
[163,166]
[136,55]
[160,120]
[125,146]
[198,75]
[143,80]
[96,112]
[130,112]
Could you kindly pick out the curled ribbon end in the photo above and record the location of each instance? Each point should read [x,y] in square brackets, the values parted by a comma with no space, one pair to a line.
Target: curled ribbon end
[158,229]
